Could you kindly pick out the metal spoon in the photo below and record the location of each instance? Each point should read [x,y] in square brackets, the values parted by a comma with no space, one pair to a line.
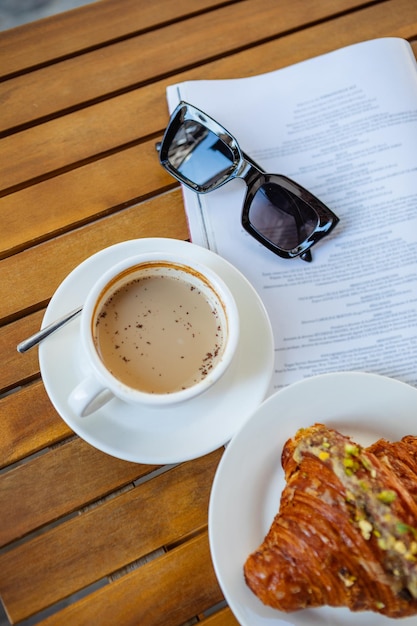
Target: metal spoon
[33,341]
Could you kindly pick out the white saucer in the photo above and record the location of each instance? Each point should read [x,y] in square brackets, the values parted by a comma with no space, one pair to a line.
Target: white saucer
[169,435]
[249,479]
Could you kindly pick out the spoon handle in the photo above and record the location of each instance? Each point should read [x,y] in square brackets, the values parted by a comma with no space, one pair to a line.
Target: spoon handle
[33,341]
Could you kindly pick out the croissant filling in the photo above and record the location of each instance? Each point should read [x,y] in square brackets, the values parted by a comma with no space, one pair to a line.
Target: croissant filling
[346,530]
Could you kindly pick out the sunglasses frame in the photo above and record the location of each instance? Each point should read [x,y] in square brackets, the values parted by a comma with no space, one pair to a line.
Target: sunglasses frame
[254,176]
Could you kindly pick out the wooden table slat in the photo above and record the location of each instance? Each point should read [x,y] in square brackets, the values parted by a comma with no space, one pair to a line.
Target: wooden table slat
[136,523]
[119,180]
[28,423]
[165,592]
[83,135]
[59,482]
[16,370]
[90,26]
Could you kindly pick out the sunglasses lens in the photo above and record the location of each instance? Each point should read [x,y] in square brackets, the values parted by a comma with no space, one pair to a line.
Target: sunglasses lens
[281,217]
[199,155]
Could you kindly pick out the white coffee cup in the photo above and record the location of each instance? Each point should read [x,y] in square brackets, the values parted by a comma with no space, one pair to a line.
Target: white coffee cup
[156,329]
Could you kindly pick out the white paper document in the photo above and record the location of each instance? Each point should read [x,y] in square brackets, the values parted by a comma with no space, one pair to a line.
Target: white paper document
[343,125]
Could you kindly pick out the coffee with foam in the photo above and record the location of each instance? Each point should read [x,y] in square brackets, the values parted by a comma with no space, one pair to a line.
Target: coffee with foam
[161,331]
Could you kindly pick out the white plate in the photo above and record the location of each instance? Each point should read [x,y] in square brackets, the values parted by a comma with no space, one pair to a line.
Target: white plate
[168,435]
[249,480]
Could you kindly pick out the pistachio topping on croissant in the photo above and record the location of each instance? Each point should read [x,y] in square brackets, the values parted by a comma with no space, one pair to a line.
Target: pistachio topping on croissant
[346,530]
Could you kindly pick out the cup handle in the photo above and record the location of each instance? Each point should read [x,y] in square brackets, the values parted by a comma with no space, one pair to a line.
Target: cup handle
[89,396]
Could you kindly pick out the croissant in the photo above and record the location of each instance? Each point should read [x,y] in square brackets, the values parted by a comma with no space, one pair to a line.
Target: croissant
[346,531]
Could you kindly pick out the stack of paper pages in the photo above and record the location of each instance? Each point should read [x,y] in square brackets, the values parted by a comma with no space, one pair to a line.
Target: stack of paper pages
[343,125]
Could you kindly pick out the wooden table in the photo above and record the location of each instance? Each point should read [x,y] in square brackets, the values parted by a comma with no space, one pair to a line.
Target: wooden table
[88,538]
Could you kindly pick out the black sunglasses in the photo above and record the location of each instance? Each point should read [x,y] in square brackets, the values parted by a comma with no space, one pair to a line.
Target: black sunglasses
[278,212]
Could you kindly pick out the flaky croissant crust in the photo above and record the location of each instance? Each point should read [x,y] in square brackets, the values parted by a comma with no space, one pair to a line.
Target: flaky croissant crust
[346,531]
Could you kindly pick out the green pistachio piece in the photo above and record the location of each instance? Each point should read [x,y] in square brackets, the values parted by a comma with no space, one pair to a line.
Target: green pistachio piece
[386,496]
